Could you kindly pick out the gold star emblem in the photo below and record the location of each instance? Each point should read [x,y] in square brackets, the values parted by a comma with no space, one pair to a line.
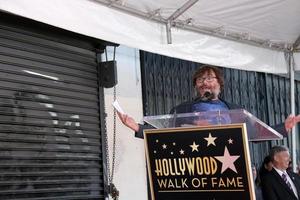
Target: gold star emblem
[194,147]
[210,140]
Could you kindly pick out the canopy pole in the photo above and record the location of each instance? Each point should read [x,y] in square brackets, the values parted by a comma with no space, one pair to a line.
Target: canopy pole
[169,34]
[292,93]
[175,15]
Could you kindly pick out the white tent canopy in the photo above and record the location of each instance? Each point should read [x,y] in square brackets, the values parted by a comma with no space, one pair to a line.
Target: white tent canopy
[243,34]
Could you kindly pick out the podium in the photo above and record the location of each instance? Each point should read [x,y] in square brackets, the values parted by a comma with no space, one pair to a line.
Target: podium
[203,155]
[256,129]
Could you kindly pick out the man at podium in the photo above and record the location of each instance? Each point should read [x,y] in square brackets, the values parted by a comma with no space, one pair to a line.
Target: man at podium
[208,81]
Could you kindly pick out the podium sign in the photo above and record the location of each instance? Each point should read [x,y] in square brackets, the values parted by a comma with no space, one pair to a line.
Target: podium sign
[208,163]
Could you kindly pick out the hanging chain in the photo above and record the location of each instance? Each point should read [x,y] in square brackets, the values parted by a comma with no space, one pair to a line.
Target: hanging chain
[114,141]
[112,190]
[114,131]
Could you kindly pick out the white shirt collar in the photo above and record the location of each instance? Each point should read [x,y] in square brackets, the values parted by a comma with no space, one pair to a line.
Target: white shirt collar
[279,171]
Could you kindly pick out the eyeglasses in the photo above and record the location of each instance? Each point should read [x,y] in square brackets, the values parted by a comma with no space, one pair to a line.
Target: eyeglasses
[208,79]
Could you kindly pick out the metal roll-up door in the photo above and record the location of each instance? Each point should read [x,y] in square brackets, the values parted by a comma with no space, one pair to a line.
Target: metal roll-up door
[49,119]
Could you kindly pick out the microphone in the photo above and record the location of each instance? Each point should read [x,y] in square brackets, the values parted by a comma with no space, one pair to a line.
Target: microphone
[207,96]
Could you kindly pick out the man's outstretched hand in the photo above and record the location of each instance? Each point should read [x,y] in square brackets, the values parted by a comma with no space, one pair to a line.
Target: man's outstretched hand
[291,121]
[128,121]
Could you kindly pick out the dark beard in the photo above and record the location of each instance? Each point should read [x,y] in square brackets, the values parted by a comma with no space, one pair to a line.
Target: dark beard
[207,96]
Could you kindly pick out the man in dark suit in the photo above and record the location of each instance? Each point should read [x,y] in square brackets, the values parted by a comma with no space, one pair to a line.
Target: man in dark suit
[280,184]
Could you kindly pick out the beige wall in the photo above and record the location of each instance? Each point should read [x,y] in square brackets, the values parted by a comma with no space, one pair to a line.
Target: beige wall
[130,169]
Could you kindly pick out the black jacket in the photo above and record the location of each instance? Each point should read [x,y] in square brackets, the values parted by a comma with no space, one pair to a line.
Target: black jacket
[274,187]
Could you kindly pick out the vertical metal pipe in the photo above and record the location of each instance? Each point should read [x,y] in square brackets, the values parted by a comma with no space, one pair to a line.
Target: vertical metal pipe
[169,35]
[292,93]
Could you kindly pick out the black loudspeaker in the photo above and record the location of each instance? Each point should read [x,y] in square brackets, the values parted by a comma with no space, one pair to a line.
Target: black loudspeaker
[108,74]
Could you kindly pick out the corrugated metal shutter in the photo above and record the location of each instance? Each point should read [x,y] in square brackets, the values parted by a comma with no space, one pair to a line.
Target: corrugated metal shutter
[49,119]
